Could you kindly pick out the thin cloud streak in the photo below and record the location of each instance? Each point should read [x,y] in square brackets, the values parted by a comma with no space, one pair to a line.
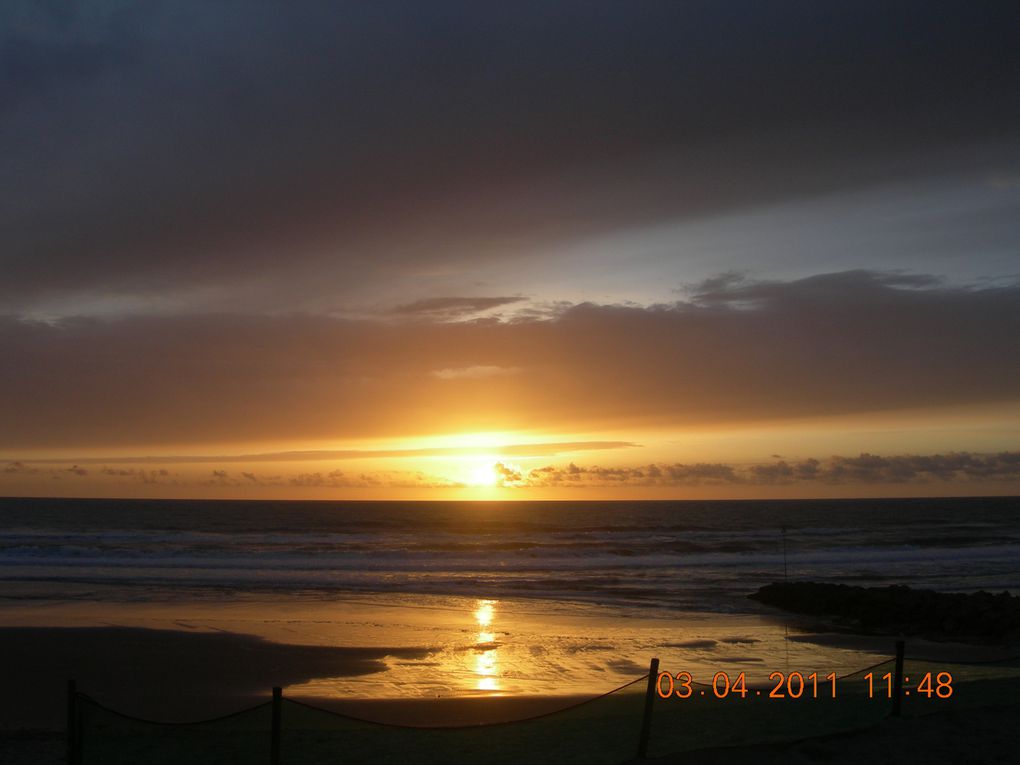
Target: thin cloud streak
[313,455]
[451,308]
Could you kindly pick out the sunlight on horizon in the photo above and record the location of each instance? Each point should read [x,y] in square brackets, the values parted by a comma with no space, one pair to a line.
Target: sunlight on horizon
[484,474]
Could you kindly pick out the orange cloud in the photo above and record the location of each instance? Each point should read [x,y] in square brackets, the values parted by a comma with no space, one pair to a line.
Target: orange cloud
[735,352]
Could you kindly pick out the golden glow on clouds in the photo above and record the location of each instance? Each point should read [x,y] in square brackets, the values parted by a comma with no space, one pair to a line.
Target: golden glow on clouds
[506,464]
[483,440]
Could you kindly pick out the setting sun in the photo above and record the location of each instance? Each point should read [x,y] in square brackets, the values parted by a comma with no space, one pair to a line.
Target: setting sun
[483,474]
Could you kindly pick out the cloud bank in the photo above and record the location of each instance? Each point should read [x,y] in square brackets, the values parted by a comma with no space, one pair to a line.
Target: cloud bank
[958,468]
[255,155]
[865,469]
[735,351]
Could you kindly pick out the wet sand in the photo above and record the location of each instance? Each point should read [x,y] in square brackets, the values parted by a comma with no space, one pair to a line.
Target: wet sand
[173,675]
[475,647]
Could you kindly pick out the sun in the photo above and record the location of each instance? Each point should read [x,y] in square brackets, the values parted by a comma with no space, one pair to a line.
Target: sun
[483,474]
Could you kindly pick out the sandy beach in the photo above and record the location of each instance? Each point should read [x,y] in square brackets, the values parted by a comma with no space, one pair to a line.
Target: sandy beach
[982,735]
[447,647]
[974,736]
[161,674]
[179,676]
[175,676]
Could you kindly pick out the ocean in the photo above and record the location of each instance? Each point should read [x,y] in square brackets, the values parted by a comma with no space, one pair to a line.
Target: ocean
[699,556]
[497,598]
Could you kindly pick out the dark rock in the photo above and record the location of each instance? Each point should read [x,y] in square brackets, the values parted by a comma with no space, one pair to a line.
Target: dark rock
[977,617]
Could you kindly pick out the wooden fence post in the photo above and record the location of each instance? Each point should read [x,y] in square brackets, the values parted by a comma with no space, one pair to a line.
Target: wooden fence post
[274,743]
[646,718]
[72,723]
[897,690]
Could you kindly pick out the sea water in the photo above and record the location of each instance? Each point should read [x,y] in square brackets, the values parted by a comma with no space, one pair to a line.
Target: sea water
[509,597]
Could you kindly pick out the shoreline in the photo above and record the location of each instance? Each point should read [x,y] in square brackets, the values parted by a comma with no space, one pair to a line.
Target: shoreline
[177,676]
[461,647]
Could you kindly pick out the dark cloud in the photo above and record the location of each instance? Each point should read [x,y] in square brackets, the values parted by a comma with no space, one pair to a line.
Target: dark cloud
[946,467]
[864,469]
[737,290]
[20,468]
[303,151]
[826,345]
[386,479]
[861,470]
[332,478]
[508,475]
[153,476]
[648,475]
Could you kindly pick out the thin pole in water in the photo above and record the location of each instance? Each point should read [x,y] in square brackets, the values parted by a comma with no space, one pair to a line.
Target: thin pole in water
[786,571]
[646,718]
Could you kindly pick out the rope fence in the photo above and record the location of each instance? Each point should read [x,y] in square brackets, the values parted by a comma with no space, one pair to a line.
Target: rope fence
[654,715]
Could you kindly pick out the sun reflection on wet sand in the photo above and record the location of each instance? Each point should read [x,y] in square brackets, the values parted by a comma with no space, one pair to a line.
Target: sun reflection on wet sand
[467,647]
[486,668]
[484,612]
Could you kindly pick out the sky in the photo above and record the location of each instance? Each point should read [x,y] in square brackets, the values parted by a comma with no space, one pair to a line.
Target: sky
[532,250]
